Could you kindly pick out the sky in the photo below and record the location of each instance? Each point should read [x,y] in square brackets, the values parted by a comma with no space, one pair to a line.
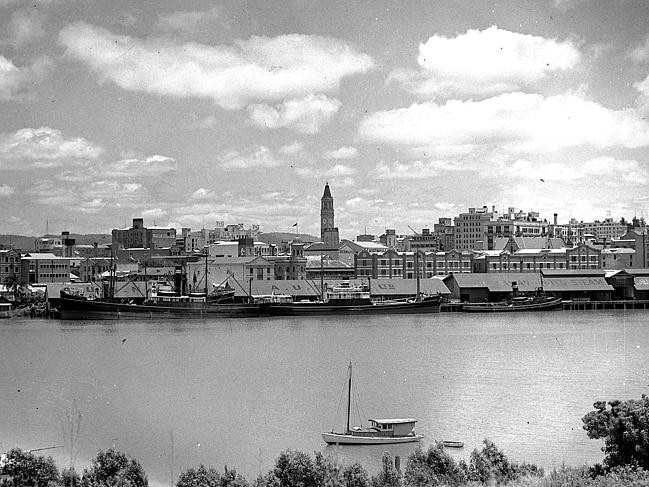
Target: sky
[190,112]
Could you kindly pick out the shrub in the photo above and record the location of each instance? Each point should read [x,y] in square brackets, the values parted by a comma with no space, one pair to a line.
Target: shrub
[624,426]
[27,470]
[433,467]
[113,468]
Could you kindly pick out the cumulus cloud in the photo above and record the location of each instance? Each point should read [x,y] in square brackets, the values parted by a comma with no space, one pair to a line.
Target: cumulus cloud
[292,148]
[152,166]
[640,53]
[339,175]
[341,153]
[187,22]
[25,26]
[411,169]
[514,121]
[203,194]
[44,146]
[154,213]
[565,5]
[17,82]
[258,69]
[6,190]
[306,115]
[259,158]
[485,63]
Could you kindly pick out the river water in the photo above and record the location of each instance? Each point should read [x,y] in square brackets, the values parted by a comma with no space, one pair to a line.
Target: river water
[237,392]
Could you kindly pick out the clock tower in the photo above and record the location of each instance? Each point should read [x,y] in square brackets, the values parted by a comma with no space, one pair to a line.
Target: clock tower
[328,232]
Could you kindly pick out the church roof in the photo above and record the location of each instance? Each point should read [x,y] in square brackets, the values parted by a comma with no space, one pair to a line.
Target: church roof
[327,193]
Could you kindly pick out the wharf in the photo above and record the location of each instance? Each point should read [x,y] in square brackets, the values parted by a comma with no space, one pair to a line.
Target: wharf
[596,305]
[574,305]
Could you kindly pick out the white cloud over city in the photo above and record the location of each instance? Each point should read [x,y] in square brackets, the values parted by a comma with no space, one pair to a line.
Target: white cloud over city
[257,69]
[200,112]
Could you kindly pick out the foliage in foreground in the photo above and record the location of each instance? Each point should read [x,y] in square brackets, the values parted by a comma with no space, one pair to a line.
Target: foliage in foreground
[624,426]
[425,468]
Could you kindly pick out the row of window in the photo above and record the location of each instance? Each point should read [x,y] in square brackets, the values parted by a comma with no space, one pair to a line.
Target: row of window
[44,265]
[527,265]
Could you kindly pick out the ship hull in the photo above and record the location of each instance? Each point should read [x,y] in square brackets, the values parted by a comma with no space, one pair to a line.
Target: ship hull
[342,439]
[79,309]
[428,305]
[551,304]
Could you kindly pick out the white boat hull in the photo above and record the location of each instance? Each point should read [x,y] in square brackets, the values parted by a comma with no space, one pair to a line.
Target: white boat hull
[338,438]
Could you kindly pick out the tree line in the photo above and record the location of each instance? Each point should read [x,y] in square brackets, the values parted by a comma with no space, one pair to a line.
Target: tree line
[623,425]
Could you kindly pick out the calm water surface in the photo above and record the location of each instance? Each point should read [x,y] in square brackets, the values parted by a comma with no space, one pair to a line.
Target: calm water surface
[237,392]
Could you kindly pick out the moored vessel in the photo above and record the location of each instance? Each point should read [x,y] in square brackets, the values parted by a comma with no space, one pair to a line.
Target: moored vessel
[348,299]
[380,432]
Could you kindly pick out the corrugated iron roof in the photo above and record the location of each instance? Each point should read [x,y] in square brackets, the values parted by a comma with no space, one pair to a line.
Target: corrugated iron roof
[573,272]
[576,284]
[498,282]
[297,288]
[386,287]
[641,283]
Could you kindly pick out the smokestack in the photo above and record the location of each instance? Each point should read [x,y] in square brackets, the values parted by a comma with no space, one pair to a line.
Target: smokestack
[556,219]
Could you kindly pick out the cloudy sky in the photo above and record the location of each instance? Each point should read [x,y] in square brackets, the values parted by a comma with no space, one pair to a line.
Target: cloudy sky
[188,112]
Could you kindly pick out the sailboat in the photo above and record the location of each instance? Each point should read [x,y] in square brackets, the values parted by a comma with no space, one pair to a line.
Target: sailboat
[380,432]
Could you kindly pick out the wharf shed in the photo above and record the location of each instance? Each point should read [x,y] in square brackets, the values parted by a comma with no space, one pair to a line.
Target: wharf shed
[640,282]
[493,286]
[583,285]
[404,288]
[579,288]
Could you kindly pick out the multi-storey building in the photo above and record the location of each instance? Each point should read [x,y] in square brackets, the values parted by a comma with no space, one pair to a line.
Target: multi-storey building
[479,228]
[140,237]
[534,260]
[605,230]
[44,267]
[470,227]
[619,258]
[9,264]
[223,232]
[423,242]
[445,230]
[401,265]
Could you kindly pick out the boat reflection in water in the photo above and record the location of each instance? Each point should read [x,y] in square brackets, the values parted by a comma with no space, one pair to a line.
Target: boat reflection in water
[380,432]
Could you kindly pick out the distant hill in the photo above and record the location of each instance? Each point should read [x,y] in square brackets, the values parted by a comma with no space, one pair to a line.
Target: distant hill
[17,241]
[26,244]
[278,238]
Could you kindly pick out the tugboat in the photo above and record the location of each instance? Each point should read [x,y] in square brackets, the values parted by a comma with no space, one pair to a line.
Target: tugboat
[538,302]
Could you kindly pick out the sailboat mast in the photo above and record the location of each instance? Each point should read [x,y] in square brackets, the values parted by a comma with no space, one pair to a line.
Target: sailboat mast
[206,288]
[349,398]
[417,271]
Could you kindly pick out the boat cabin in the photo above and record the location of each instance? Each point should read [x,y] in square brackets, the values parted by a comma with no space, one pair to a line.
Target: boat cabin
[347,294]
[394,427]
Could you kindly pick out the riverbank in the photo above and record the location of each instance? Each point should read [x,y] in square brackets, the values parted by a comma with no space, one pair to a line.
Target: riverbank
[487,466]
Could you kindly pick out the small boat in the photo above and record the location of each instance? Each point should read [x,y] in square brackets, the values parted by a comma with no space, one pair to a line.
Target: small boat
[381,431]
[452,444]
[348,299]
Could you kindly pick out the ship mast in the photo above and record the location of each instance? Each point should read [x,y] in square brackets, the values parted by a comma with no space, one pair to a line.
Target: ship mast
[349,398]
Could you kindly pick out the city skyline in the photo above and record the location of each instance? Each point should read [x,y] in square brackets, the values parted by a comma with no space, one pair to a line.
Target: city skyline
[190,113]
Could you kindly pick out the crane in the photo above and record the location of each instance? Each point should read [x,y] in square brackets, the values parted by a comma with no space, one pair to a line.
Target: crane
[414,231]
